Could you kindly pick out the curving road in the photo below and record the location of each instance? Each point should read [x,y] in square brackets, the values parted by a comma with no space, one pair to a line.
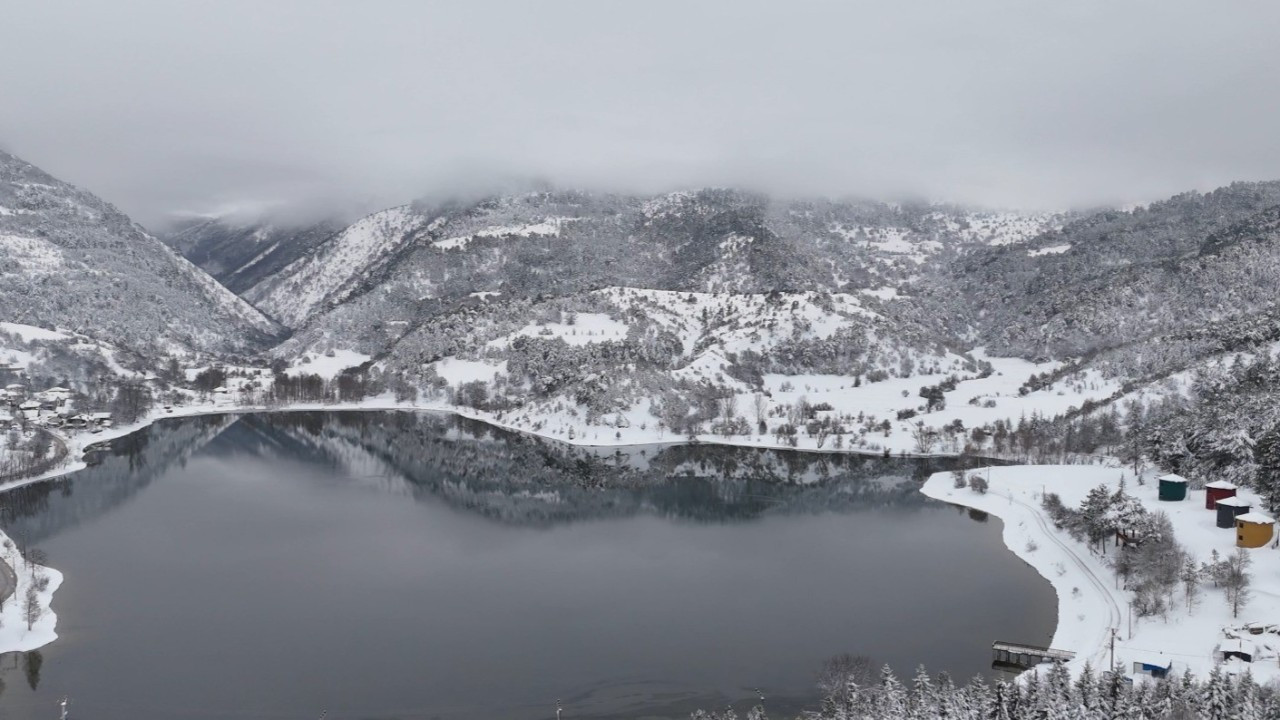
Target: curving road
[1116,619]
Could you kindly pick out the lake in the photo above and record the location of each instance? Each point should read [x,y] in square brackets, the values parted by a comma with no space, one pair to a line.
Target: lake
[404,565]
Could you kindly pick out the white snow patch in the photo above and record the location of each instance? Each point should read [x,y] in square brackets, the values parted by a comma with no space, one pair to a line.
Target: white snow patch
[327,366]
[456,371]
[34,255]
[884,293]
[586,328]
[1051,250]
[550,227]
[31,332]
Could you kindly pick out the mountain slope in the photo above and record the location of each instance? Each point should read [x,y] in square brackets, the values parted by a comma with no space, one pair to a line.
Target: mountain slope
[1117,277]
[71,260]
[406,261]
[241,254]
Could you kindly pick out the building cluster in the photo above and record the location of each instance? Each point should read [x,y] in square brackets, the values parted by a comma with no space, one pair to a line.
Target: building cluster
[52,407]
[1253,529]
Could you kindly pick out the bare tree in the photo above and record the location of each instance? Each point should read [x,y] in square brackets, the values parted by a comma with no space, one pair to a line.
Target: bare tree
[35,557]
[760,404]
[1236,580]
[925,438]
[31,610]
[728,406]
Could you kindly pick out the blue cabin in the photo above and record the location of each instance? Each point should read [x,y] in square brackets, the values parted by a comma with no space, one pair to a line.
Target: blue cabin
[1157,666]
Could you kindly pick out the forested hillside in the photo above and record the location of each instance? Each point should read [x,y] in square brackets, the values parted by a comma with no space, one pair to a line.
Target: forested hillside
[240,254]
[70,261]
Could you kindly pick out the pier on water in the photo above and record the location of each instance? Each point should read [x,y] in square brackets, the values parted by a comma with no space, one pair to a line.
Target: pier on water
[1021,656]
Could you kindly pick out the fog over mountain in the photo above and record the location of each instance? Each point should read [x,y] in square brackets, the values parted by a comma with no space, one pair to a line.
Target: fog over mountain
[998,103]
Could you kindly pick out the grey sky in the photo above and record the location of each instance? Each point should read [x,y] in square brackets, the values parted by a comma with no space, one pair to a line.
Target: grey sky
[164,105]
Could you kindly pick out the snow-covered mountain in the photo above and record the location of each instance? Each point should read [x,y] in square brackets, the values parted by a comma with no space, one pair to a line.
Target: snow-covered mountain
[407,260]
[241,253]
[1118,277]
[71,261]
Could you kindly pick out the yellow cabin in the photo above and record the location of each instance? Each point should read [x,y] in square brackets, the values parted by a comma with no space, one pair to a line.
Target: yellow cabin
[1253,530]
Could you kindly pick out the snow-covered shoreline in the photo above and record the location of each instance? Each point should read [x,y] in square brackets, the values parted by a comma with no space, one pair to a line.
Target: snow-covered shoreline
[1088,608]
[14,635]
[1091,603]
[79,443]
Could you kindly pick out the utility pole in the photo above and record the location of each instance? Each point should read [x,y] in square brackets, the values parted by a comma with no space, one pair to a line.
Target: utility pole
[1113,649]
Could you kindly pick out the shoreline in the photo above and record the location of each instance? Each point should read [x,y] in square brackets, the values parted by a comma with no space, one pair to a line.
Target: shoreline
[1088,607]
[1184,632]
[77,445]
[1077,616]
[14,635]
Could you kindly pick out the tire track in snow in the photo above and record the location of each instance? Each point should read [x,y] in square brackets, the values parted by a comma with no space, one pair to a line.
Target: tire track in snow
[1116,617]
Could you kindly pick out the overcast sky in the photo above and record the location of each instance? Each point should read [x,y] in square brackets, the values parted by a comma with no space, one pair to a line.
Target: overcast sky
[165,106]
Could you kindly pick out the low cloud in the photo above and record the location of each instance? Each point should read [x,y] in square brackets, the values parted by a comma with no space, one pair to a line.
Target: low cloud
[164,107]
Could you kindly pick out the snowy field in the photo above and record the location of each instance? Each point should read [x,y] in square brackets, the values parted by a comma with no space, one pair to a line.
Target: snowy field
[1090,603]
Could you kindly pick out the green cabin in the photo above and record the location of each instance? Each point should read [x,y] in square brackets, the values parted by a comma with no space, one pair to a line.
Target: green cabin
[1173,488]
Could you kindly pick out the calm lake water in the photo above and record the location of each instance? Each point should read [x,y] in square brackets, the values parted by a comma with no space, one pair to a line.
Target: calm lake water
[396,565]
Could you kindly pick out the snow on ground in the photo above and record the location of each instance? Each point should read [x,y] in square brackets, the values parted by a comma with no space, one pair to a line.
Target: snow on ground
[32,255]
[1090,605]
[1004,228]
[549,227]
[884,293]
[456,372]
[1052,250]
[312,279]
[562,420]
[891,240]
[14,635]
[327,365]
[740,321]
[31,332]
[586,328]
[79,344]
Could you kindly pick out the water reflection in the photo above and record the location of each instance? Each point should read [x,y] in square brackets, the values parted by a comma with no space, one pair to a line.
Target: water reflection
[509,477]
[411,565]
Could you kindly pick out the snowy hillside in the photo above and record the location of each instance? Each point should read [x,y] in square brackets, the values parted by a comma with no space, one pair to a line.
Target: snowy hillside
[419,259]
[240,253]
[336,269]
[49,357]
[70,260]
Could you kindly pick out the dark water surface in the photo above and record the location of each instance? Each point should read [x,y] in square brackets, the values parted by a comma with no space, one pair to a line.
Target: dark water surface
[393,565]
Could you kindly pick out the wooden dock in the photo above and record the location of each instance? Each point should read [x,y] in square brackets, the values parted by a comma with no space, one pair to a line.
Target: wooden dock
[1019,655]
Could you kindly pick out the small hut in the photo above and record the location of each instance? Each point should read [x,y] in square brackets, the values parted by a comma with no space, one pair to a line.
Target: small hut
[1235,649]
[1155,665]
[1253,530]
[1229,509]
[1217,490]
[1173,488]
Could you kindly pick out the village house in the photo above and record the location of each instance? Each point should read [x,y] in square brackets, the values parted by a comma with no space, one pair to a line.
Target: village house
[30,409]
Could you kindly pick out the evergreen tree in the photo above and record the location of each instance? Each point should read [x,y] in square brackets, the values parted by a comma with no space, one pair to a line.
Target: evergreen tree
[1267,468]
[1217,693]
[997,707]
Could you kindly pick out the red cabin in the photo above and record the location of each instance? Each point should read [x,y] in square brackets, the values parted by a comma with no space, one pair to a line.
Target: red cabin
[1217,490]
